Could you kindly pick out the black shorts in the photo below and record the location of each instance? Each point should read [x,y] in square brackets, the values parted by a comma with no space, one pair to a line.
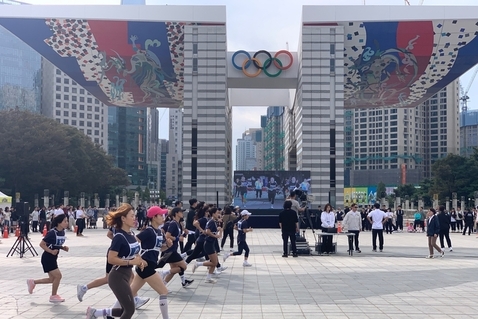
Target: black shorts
[148,271]
[108,266]
[174,257]
[49,262]
[209,248]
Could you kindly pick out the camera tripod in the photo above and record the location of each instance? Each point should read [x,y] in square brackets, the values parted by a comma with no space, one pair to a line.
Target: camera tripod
[21,246]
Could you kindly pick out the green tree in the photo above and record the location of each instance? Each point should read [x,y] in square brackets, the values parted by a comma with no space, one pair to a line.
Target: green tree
[405,190]
[39,153]
[381,191]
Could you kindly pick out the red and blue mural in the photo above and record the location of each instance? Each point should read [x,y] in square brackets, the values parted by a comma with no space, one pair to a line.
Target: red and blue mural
[122,63]
[402,64]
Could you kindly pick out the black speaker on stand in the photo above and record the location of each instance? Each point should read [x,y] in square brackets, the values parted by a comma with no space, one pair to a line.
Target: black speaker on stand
[22,244]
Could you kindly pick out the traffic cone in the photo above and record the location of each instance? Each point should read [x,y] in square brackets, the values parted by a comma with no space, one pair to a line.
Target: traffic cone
[17,231]
[76,228]
[339,227]
[5,232]
[44,230]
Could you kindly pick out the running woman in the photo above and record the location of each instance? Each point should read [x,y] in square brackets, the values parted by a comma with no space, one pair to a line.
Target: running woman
[123,255]
[243,228]
[52,243]
[212,234]
[98,282]
[172,257]
[152,242]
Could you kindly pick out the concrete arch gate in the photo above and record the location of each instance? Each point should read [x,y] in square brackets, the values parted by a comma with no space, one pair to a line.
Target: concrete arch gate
[349,57]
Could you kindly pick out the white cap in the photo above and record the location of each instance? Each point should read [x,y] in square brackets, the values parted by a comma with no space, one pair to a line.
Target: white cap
[245,212]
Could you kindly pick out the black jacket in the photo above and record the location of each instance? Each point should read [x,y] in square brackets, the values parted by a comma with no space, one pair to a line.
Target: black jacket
[433,227]
[445,219]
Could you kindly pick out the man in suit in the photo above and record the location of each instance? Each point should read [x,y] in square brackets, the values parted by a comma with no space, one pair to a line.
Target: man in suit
[445,219]
[433,230]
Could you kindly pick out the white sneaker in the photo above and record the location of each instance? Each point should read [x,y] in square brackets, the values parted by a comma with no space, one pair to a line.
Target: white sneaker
[163,276]
[140,302]
[90,313]
[451,248]
[80,292]
[210,281]
[222,268]
[226,255]
[246,264]
[195,266]
[201,259]
[216,272]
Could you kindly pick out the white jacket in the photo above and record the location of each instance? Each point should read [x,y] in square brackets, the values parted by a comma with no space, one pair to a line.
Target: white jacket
[327,219]
[352,221]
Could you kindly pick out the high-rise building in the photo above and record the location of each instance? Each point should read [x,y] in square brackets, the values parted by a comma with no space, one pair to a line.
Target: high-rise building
[163,148]
[468,132]
[249,151]
[274,148]
[68,103]
[174,162]
[20,74]
[396,146]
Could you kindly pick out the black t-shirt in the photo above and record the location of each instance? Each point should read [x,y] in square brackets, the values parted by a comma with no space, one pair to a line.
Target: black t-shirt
[272,186]
[201,237]
[175,230]
[190,219]
[55,239]
[151,242]
[469,217]
[125,244]
[42,215]
[288,219]
[242,224]
[211,225]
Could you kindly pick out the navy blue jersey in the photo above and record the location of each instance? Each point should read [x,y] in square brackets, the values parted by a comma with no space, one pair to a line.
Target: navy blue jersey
[241,225]
[151,242]
[125,244]
[175,230]
[211,225]
[201,237]
[55,239]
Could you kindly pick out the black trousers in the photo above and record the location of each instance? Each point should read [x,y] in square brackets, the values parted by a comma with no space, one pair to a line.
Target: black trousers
[80,222]
[34,226]
[118,280]
[242,246]
[228,232]
[190,242]
[400,223]
[459,224]
[356,238]
[453,226]
[258,193]
[389,226]
[327,246]
[379,233]
[445,233]
[285,240]
[468,226]
[271,195]
[198,252]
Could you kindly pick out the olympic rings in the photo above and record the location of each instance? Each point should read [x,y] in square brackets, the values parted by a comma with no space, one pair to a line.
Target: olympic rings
[262,66]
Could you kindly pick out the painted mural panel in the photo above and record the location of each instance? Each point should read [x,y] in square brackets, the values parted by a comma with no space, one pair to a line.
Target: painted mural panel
[122,63]
[402,64]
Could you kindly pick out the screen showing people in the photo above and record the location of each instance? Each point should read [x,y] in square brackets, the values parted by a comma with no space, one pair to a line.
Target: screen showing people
[268,189]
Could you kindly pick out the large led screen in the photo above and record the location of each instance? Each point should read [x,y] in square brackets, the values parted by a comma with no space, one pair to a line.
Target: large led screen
[268,189]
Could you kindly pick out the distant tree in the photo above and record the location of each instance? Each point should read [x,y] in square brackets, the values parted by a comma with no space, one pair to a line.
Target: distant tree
[381,190]
[405,190]
[39,153]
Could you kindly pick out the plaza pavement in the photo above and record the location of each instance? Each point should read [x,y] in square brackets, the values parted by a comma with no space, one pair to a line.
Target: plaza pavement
[398,283]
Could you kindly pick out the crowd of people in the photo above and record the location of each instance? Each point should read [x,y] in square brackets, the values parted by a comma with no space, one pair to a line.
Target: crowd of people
[171,236]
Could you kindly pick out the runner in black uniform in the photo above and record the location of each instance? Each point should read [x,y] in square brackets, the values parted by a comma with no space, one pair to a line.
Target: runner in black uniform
[242,228]
[123,255]
[51,244]
[152,242]
[171,255]
[271,191]
[212,233]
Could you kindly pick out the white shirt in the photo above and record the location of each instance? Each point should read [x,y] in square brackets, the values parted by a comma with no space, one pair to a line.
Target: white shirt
[58,211]
[35,215]
[80,214]
[377,216]
[352,221]
[327,219]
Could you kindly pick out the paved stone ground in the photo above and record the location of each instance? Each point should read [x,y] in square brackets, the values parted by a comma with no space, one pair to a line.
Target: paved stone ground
[398,283]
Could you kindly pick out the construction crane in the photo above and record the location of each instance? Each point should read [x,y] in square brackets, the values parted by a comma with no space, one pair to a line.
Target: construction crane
[464,93]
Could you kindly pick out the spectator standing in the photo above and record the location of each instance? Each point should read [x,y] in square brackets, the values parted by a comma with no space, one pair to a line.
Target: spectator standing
[42,217]
[327,219]
[399,217]
[459,219]
[289,225]
[389,222]
[377,218]
[444,218]
[80,221]
[453,220]
[433,230]
[35,217]
[258,185]
[352,223]
[468,218]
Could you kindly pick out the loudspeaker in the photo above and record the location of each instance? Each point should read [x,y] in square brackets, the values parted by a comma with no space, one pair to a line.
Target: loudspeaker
[22,211]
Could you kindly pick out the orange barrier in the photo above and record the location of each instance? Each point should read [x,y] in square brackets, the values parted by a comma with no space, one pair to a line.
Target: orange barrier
[5,232]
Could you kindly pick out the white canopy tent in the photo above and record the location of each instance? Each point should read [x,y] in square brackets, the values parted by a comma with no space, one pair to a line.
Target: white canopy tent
[5,201]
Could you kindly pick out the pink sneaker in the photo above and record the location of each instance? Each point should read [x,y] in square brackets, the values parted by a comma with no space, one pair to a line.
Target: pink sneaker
[56,298]
[30,285]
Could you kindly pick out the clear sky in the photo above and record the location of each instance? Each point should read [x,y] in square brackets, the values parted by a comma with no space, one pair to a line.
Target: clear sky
[271,24]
